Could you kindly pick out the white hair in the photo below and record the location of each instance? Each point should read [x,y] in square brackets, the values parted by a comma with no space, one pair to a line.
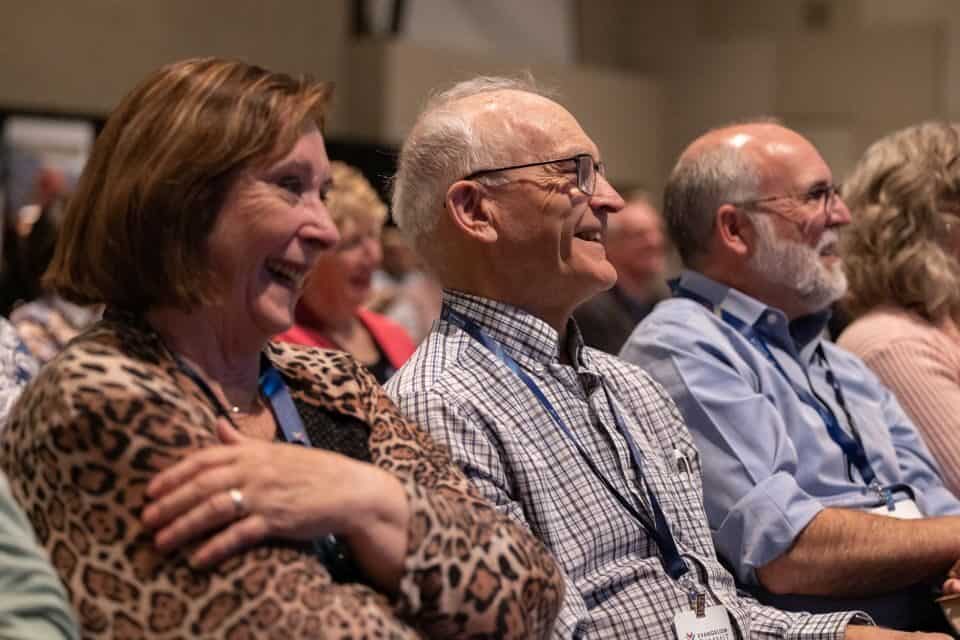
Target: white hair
[445,145]
[796,267]
[696,188]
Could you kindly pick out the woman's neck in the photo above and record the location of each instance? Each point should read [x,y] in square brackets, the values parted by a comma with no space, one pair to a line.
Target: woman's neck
[332,317]
[949,326]
[229,363]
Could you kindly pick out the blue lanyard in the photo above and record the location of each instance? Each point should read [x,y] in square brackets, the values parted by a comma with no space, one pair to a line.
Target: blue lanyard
[272,386]
[659,529]
[852,446]
[277,394]
[285,411]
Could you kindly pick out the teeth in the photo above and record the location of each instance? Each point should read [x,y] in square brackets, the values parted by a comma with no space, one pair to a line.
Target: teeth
[286,271]
[590,236]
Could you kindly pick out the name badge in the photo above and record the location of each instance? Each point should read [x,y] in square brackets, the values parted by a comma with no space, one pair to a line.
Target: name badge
[713,625]
[905,510]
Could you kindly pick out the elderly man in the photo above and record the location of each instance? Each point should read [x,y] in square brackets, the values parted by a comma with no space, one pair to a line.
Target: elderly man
[636,249]
[815,479]
[503,194]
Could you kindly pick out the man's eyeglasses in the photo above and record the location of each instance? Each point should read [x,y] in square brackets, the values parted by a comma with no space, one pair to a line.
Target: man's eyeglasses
[825,194]
[587,170]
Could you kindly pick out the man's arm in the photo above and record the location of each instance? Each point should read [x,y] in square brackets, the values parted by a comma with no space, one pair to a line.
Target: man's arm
[762,520]
[847,553]
[862,632]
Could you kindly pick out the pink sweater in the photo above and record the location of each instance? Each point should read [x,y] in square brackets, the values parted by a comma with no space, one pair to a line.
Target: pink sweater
[921,365]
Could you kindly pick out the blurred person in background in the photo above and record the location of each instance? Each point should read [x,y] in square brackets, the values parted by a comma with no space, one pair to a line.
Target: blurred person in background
[17,368]
[902,259]
[637,249]
[44,320]
[158,456]
[331,313]
[33,603]
[402,289]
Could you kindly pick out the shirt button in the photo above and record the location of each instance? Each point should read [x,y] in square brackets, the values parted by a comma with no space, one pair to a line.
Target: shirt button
[771,319]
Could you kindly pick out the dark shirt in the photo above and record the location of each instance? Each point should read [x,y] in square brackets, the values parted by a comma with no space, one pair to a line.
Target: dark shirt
[607,319]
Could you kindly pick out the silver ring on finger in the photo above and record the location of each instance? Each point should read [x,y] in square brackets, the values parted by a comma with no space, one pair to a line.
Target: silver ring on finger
[236,496]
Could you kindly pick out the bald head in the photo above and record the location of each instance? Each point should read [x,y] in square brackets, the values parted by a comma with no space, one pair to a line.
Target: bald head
[478,124]
[767,147]
[726,165]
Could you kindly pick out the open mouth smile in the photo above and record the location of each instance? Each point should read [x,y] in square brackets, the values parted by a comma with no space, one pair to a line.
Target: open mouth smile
[287,273]
[590,235]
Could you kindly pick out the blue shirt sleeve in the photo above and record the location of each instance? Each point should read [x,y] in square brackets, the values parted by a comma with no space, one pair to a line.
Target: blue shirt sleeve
[916,464]
[755,507]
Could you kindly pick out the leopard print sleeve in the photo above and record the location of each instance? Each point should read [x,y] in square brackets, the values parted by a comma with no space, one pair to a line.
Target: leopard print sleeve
[81,445]
[469,570]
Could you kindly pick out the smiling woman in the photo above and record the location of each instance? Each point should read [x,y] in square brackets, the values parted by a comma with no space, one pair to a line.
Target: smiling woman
[155,455]
[331,313]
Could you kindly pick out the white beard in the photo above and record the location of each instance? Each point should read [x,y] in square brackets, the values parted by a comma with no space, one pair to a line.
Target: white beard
[797,267]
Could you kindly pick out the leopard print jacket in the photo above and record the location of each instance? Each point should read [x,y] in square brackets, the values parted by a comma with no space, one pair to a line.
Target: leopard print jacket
[113,409]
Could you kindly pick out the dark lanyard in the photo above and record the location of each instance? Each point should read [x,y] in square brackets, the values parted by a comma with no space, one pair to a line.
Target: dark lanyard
[852,446]
[659,529]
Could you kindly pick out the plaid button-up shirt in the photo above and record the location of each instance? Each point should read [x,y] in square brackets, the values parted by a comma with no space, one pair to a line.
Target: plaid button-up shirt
[505,439]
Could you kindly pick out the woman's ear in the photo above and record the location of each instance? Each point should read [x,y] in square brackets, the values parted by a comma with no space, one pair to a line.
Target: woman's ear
[471,211]
[735,231]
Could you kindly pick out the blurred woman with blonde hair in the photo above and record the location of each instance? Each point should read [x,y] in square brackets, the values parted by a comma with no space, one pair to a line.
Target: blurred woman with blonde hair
[331,314]
[902,256]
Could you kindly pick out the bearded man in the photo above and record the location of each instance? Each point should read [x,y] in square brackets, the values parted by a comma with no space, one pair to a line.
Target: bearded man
[819,492]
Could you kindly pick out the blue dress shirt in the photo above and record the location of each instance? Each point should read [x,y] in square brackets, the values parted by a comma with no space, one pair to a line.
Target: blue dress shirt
[769,464]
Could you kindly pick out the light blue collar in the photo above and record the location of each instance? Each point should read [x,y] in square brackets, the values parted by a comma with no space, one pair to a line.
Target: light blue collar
[801,337]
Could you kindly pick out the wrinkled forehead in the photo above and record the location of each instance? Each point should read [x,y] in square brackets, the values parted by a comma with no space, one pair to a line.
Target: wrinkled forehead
[527,127]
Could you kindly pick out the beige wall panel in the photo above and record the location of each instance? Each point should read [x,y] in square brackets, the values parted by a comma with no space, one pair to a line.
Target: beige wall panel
[83,55]
[358,110]
[602,26]
[653,33]
[951,68]
[738,18]
[836,141]
[905,12]
[620,111]
[883,78]
[713,85]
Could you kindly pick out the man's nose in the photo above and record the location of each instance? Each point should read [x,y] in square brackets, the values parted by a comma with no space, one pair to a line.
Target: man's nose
[838,215]
[605,197]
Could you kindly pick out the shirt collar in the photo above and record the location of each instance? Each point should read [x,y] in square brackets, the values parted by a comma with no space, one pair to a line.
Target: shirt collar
[520,333]
[803,334]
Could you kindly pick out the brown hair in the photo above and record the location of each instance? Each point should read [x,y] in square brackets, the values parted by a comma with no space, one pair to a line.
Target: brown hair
[893,250]
[135,230]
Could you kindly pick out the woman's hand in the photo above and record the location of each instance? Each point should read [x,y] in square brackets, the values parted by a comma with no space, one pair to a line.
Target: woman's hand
[250,490]
[952,584]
